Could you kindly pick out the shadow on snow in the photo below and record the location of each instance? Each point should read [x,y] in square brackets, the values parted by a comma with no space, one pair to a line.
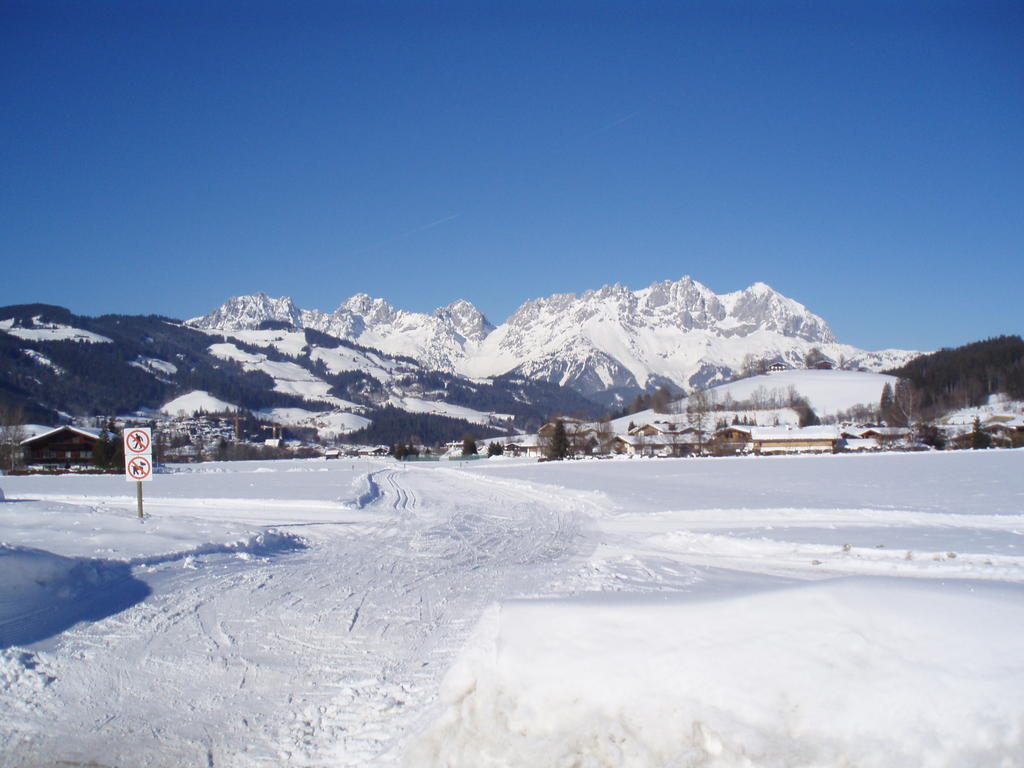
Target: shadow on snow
[43,594]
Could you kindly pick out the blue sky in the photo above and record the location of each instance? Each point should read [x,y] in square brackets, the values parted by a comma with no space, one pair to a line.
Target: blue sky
[864,158]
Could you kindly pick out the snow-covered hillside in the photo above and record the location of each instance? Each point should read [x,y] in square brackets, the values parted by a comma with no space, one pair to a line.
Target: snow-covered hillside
[828,392]
[829,611]
[40,330]
[195,402]
[601,341]
[999,408]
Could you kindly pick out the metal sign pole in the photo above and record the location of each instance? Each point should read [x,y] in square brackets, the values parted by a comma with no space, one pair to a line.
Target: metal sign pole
[138,496]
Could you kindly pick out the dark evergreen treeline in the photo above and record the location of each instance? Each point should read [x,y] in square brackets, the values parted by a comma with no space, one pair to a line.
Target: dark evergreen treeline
[527,401]
[391,426]
[967,375]
[659,401]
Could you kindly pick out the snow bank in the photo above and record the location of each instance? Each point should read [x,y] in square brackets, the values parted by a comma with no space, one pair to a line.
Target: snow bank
[42,593]
[852,672]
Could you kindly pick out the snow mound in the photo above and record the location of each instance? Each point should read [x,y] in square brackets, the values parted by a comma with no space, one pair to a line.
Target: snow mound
[827,391]
[854,672]
[42,594]
[193,402]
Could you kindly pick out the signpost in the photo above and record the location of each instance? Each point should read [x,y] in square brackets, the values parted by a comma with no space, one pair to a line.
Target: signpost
[138,458]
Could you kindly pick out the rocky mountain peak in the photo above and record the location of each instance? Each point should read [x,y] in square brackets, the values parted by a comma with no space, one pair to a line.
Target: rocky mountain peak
[611,339]
[242,312]
[761,307]
[465,320]
[372,311]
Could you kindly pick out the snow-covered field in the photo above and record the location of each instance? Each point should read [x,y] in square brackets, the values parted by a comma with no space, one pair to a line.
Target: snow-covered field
[794,611]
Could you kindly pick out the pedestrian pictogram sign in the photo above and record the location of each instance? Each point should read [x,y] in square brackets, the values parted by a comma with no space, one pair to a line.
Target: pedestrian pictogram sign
[138,441]
[138,459]
[139,468]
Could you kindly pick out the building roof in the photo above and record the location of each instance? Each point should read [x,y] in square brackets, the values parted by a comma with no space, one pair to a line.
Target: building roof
[881,431]
[84,432]
[799,433]
[745,429]
[524,441]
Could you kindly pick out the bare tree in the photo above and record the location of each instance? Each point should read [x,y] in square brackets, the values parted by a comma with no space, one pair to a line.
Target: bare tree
[640,443]
[753,366]
[906,403]
[604,434]
[12,432]
[698,410]
[816,357]
[677,440]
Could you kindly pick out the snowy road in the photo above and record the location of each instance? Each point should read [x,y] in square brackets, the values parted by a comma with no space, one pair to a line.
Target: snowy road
[322,655]
[357,613]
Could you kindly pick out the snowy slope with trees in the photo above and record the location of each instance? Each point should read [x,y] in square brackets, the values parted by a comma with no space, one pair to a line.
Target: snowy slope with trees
[827,392]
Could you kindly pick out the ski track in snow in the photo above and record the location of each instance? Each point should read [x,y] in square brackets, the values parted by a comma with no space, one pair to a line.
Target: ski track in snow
[317,632]
[323,656]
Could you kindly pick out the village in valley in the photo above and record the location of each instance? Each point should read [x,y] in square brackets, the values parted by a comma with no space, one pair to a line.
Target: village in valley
[766,414]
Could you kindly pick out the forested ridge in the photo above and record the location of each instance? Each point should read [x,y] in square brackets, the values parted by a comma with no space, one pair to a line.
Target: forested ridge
[965,376]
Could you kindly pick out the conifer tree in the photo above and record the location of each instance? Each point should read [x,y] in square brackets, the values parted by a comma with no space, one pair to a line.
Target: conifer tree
[559,448]
[102,452]
[979,437]
[885,403]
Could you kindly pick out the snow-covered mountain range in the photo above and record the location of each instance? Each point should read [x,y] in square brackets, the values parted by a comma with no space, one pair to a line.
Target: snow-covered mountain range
[606,342]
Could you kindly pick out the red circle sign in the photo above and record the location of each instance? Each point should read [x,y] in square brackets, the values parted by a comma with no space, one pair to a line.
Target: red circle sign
[139,468]
[137,441]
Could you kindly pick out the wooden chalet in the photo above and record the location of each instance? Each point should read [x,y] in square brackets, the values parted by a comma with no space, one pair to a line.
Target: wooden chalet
[766,440]
[571,426]
[731,439]
[61,448]
[1006,432]
[583,436]
[883,437]
[524,445]
[622,445]
[659,438]
[769,440]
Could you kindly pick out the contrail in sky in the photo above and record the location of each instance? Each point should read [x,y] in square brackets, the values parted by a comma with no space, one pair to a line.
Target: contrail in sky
[620,121]
[408,233]
[612,124]
[431,225]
